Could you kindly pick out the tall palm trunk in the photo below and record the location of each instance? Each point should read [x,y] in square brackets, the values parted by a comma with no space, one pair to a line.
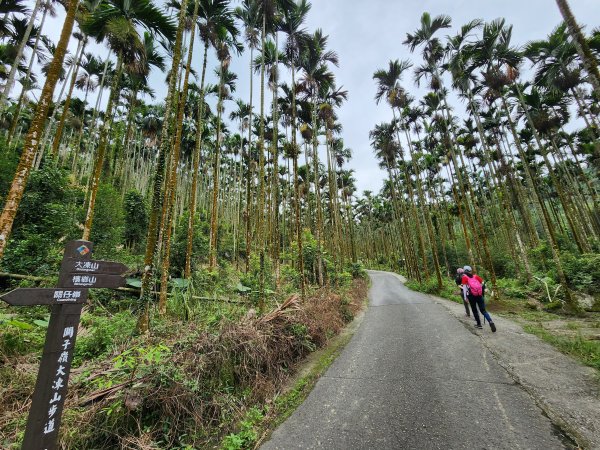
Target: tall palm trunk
[172,187]
[295,151]
[102,145]
[589,62]
[17,188]
[545,219]
[261,152]
[426,212]
[65,111]
[17,113]
[335,238]
[570,215]
[275,141]
[195,171]
[249,173]
[143,322]
[317,181]
[212,251]
[10,81]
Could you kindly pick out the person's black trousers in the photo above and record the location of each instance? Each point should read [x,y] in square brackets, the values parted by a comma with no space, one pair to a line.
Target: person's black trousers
[478,303]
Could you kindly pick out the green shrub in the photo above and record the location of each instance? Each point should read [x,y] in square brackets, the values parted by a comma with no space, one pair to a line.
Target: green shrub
[199,244]
[8,167]
[343,279]
[104,333]
[47,216]
[252,278]
[583,271]
[357,270]
[290,275]
[107,228]
[513,288]
[247,435]
[136,220]
[19,336]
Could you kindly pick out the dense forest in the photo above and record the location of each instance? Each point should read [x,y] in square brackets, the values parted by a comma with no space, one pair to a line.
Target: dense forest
[511,185]
[229,210]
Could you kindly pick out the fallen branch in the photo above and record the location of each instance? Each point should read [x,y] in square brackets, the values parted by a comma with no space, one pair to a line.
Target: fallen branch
[18,276]
[108,391]
[291,302]
[550,298]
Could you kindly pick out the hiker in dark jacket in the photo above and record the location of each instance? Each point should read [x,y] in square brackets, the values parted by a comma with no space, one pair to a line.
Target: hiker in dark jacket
[473,291]
[458,281]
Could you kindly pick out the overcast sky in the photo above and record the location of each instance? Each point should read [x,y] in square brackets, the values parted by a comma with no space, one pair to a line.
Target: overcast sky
[368,34]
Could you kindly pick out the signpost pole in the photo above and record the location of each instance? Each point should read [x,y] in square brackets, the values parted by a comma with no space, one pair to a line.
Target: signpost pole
[53,376]
[78,273]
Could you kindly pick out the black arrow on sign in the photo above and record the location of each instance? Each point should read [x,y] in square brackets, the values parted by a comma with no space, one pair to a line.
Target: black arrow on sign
[90,280]
[41,296]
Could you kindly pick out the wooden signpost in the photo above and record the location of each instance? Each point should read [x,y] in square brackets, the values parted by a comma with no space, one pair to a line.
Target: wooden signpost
[78,273]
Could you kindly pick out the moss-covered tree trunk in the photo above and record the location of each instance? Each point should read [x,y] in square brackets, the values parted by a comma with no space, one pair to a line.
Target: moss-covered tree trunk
[195,171]
[102,145]
[143,322]
[17,187]
[171,190]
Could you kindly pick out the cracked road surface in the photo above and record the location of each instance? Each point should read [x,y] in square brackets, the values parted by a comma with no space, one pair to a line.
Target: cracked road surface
[414,377]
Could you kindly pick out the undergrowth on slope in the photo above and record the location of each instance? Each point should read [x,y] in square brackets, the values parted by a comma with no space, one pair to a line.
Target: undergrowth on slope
[190,384]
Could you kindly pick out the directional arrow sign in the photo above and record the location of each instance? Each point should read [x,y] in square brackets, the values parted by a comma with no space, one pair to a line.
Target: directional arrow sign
[40,296]
[90,280]
[94,266]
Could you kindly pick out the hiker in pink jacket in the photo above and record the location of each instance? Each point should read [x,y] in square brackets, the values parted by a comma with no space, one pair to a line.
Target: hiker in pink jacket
[473,291]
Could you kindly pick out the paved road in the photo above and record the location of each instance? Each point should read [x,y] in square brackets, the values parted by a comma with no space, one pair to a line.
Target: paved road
[414,377]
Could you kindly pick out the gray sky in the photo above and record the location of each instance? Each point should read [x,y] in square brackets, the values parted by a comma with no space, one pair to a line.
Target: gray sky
[368,34]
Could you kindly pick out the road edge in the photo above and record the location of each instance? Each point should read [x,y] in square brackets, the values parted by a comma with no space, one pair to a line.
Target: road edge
[576,418]
[310,371]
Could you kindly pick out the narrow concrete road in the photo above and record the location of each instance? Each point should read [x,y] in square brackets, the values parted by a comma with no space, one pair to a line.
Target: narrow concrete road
[413,377]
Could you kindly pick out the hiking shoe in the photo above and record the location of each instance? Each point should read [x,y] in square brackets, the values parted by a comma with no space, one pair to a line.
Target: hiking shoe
[493,327]
[478,326]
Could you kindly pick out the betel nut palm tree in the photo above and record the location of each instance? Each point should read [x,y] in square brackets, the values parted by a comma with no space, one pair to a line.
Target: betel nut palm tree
[17,188]
[216,25]
[116,22]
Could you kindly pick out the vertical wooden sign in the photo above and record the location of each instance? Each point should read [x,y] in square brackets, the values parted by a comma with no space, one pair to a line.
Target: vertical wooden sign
[50,392]
[78,273]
